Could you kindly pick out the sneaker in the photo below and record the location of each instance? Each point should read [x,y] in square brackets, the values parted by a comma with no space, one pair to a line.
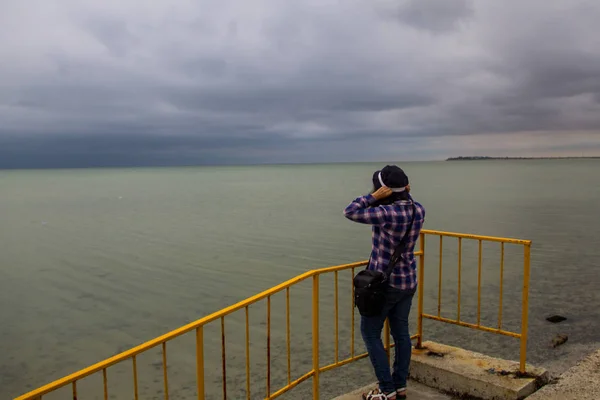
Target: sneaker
[401,394]
[377,394]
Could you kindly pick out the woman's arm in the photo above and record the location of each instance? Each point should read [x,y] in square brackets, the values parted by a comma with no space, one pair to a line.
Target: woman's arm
[362,211]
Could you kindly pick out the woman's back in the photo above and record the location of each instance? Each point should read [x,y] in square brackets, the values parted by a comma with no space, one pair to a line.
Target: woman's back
[389,226]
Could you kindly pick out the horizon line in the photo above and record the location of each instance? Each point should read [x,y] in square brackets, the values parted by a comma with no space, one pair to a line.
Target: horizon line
[209,165]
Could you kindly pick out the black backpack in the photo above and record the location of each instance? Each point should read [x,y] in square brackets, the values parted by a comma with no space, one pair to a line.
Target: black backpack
[370,286]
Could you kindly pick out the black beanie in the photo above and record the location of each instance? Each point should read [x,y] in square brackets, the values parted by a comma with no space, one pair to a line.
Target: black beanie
[392,177]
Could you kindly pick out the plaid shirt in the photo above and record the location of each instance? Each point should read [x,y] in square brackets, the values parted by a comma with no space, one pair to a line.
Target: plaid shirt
[389,223]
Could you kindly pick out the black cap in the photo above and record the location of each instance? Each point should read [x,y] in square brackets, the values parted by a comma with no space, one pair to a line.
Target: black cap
[392,177]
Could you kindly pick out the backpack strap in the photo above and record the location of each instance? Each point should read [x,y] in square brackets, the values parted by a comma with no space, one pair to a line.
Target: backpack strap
[401,247]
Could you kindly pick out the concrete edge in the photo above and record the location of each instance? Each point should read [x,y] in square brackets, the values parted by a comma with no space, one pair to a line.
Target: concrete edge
[473,375]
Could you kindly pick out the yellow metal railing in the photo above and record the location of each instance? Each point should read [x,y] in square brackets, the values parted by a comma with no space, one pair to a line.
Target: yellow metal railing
[198,328]
[522,336]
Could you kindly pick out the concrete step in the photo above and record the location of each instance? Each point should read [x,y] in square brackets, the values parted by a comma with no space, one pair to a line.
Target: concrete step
[467,373]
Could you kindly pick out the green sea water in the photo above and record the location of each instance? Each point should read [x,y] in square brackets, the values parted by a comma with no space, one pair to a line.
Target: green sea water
[94,261]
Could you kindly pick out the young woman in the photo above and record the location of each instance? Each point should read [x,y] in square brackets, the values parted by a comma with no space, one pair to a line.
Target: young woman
[390,209]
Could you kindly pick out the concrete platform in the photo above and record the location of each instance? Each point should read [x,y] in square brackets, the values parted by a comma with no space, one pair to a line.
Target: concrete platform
[416,391]
[440,372]
[466,373]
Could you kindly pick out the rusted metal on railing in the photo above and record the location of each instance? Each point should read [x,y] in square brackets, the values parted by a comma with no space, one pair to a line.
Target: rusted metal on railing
[288,338]
[501,285]
[135,380]
[247,312]
[315,335]
[223,357]
[200,362]
[420,280]
[314,373]
[352,324]
[105,382]
[459,277]
[165,374]
[268,346]
[479,283]
[439,307]
[335,316]
[525,303]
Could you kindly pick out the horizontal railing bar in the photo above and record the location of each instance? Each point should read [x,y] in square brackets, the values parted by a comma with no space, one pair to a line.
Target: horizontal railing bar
[477,237]
[343,362]
[292,385]
[473,326]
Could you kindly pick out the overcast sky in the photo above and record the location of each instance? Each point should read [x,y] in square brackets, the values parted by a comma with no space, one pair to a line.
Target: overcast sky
[163,82]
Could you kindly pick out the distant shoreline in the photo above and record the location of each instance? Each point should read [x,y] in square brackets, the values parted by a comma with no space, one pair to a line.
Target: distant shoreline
[478,158]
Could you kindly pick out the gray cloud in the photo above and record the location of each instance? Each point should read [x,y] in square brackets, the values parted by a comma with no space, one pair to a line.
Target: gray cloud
[112,33]
[435,15]
[127,83]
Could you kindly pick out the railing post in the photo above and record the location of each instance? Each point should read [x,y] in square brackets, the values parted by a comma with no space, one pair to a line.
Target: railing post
[200,362]
[420,293]
[525,305]
[315,336]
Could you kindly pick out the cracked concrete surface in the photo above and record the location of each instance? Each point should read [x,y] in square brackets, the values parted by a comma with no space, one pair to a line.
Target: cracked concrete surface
[581,382]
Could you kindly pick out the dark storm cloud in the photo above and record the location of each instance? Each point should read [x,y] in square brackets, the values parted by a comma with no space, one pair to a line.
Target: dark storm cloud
[295,100]
[93,150]
[177,82]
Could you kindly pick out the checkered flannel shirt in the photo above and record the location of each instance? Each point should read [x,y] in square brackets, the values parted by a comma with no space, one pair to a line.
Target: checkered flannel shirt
[389,223]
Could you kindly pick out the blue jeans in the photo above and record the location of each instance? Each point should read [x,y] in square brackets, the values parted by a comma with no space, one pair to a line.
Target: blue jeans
[397,309]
